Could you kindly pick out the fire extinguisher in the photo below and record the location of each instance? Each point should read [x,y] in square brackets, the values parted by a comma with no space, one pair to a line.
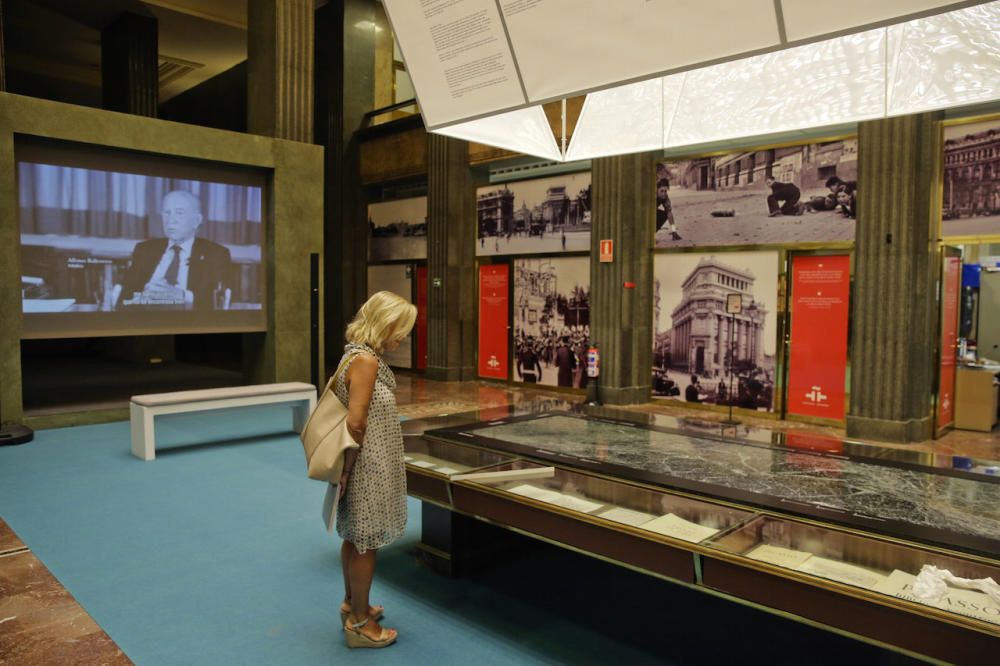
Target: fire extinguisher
[593,361]
[594,373]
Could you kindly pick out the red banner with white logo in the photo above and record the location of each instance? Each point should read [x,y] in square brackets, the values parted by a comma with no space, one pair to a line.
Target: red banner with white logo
[951,281]
[817,366]
[494,312]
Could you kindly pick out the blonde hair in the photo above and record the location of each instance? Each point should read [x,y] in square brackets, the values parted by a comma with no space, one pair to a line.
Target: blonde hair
[383,316]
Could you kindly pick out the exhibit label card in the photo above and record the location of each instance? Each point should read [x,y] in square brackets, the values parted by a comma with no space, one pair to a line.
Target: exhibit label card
[783,557]
[674,526]
[534,492]
[627,516]
[963,602]
[842,572]
[574,503]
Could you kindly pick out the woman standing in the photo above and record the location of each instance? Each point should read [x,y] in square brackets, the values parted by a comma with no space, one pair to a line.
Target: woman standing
[372,510]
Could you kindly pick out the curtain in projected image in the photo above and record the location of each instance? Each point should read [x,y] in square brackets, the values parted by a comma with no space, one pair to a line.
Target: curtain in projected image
[86,202]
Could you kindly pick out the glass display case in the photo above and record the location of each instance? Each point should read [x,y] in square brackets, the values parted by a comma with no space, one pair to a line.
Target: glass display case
[639,526]
[430,463]
[863,584]
[795,527]
[882,567]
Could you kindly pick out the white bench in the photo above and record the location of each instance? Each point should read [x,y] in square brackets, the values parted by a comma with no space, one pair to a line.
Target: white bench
[143,408]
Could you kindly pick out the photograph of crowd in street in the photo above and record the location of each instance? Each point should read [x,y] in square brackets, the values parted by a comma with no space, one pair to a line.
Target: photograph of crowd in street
[534,216]
[551,321]
[971,202]
[796,194]
[398,229]
[703,354]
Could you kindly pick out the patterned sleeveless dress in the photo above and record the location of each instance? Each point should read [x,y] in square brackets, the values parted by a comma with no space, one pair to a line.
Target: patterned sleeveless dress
[372,513]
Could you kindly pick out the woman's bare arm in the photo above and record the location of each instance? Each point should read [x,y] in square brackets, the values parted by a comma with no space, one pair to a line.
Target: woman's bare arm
[360,387]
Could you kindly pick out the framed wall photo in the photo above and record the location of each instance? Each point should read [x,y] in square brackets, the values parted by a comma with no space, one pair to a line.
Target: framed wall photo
[792,194]
[397,230]
[551,320]
[970,203]
[543,215]
[697,339]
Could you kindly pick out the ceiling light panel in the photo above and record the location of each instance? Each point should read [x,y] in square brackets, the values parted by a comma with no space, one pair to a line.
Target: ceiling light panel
[524,131]
[824,83]
[809,18]
[626,119]
[565,46]
[946,60]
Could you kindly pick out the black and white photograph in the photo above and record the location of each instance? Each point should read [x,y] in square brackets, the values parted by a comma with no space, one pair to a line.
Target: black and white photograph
[534,216]
[701,353]
[96,240]
[796,194]
[551,321]
[398,229]
[971,201]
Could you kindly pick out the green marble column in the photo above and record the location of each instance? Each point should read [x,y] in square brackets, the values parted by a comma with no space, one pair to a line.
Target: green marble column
[130,80]
[451,260]
[345,92]
[280,68]
[621,317]
[897,263]
[280,58]
[3,58]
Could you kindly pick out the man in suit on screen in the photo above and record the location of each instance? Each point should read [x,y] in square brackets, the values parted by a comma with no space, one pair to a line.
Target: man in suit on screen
[180,270]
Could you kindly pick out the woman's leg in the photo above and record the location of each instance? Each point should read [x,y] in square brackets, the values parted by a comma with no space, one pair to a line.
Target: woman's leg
[361,575]
[346,555]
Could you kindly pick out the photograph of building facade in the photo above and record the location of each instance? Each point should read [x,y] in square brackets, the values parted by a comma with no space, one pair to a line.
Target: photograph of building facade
[398,229]
[551,320]
[541,215]
[696,343]
[971,198]
[731,199]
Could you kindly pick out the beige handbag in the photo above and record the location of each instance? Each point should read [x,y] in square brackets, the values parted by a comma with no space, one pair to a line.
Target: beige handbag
[325,437]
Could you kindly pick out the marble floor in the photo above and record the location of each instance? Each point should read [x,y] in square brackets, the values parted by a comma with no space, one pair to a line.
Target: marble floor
[40,622]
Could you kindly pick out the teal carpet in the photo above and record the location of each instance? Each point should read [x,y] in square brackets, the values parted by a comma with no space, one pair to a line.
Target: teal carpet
[215,553]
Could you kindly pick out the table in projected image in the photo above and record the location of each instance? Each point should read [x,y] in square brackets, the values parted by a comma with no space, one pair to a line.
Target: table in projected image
[909,501]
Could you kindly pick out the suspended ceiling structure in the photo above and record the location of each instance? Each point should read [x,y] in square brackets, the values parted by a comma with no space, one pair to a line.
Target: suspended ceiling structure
[662,74]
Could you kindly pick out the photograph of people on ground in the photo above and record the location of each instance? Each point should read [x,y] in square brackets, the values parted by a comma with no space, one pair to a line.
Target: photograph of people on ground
[791,194]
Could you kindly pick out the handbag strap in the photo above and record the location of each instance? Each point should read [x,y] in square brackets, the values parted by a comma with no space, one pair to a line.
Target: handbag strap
[343,364]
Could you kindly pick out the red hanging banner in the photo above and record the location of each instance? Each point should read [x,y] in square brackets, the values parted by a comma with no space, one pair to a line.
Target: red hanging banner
[494,313]
[421,318]
[951,281]
[817,366]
